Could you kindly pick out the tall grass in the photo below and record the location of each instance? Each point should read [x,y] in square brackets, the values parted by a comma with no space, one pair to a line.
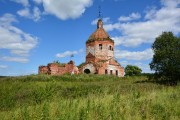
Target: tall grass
[86,97]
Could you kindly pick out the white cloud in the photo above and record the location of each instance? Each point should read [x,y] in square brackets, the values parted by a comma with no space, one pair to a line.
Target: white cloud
[62,9]
[170,3]
[105,20]
[132,16]
[111,27]
[38,1]
[23,2]
[150,13]
[68,53]
[14,59]
[34,15]
[24,12]
[167,18]
[65,9]
[7,19]
[16,41]
[130,41]
[3,66]
[138,55]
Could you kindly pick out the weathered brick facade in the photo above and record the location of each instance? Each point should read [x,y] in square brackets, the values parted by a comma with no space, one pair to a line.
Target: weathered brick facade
[100,54]
[57,69]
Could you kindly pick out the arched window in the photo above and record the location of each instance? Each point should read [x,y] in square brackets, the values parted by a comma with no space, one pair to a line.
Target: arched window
[100,46]
[111,72]
[117,72]
[106,71]
[109,47]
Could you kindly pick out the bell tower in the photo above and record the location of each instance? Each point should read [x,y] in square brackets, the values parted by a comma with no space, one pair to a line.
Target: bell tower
[100,53]
[99,46]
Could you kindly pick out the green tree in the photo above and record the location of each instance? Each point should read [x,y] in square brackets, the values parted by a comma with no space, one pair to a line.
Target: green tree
[166,58]
[131,70]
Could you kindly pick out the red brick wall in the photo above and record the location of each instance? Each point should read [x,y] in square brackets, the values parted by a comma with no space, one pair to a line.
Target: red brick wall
[120,70]
[55,69]
[43,70]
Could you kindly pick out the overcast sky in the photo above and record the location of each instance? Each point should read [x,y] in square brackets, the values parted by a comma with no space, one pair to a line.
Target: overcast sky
[37,32]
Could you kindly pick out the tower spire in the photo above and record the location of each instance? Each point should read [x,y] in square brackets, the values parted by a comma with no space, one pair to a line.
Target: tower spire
[99,23]
[99,12]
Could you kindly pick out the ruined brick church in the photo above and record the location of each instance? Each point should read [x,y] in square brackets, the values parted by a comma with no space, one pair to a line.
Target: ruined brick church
[99,57]
[100,54]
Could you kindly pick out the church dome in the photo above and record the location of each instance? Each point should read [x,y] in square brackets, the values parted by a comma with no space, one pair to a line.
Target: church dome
[100,33]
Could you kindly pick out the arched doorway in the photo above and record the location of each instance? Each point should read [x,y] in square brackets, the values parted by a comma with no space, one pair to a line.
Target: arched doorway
[87,71]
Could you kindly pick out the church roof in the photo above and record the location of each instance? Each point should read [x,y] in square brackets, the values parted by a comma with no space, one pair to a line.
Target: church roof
[90,55]
[100,33]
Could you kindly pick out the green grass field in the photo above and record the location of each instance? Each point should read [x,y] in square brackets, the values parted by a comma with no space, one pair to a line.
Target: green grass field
[87,97]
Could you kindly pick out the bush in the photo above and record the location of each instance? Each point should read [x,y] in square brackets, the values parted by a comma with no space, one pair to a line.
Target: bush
[132,70]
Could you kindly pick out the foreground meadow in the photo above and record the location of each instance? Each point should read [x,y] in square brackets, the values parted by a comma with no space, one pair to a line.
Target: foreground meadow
[87,97]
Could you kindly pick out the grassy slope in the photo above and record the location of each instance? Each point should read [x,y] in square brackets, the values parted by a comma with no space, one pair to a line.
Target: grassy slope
[89,97]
